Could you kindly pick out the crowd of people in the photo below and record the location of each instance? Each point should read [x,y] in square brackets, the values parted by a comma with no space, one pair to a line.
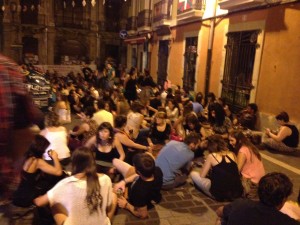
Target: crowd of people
[137,138]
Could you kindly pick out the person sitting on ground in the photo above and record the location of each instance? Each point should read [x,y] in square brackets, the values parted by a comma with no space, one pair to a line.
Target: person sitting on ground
[85,130]
[224,183]
[172,110]
[159,133]
[102,115]
[210,98]
[135,120]
[197,104]
[57,135]
[33,166]
[75,103]
[273,190]
[247,118]
[292,209]
[175,160]
[222,102]
[249,163]
[62,109]
[180,123]
[122,105]
[287,138]
[144,181]
[220,123]
[154,104]
[85,197]
[130,147]
[106,148]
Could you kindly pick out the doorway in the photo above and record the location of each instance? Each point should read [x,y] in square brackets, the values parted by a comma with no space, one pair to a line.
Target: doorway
[163,56]
[190,57]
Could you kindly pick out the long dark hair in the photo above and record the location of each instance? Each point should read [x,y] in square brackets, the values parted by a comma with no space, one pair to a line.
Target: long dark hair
[38,147]
[241,140]
[102,126]
[219,114]
[84,162]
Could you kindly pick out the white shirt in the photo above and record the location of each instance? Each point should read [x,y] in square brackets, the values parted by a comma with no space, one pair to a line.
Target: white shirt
[71,193]
[103,116]
[58,142]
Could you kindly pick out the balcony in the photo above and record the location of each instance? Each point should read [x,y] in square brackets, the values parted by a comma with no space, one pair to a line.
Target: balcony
[144,21]
[109,26]
[162,13]
[190,10]
[239,4]
[131,25]
[72,22]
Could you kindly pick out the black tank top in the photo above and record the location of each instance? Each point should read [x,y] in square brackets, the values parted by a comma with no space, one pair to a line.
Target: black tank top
[107,156]
[225,180]
[26,191]
[292,140]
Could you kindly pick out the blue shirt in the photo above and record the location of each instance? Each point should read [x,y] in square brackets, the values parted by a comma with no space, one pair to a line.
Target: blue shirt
[197,107]
[172,157]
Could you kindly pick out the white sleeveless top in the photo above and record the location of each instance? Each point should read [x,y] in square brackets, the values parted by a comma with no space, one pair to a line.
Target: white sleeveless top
[58,142]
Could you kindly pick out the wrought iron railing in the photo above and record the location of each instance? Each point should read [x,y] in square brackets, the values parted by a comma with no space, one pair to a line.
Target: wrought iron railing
[191,5]
[162,10]
[238,68]
[144,18]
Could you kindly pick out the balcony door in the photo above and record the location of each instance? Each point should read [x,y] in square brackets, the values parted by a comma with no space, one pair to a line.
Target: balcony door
[163,56]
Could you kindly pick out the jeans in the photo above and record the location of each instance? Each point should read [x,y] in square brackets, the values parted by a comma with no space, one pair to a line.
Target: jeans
[203,184]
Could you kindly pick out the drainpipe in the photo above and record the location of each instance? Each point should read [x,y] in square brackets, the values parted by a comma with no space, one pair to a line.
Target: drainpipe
[209,49]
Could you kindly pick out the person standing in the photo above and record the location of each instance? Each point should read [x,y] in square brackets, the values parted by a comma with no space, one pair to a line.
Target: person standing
[17,115]
[130,85]
[110,74]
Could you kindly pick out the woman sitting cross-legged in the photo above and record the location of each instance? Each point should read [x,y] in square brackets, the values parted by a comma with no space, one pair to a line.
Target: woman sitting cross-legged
[106,148]
[249,163]
[224,182]
[83,198]
[144,181]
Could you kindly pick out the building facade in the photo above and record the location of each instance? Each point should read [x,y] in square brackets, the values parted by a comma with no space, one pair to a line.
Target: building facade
[242,50]
[67,32]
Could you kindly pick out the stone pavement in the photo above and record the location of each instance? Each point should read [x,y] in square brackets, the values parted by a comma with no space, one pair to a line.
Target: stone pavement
[186,205]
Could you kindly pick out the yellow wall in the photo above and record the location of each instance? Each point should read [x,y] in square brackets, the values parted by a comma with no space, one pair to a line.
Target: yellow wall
[278,69]
[279,79]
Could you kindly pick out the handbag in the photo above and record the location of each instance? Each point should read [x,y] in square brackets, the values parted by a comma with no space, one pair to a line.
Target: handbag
[175,137]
